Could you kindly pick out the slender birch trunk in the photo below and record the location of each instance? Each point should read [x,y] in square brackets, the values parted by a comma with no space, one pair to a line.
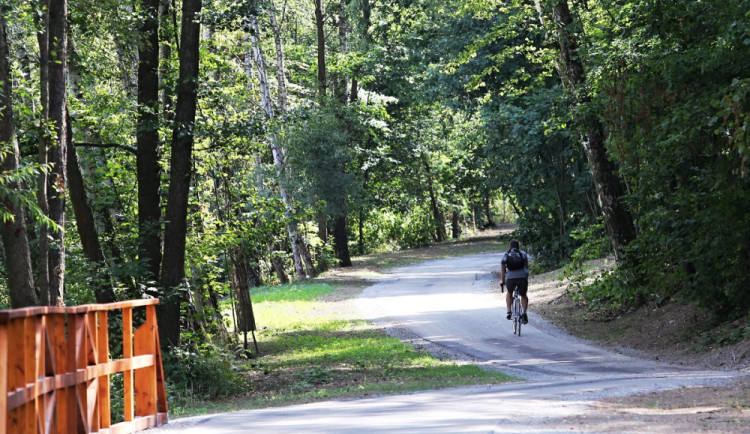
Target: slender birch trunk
[280,62]
[278,154]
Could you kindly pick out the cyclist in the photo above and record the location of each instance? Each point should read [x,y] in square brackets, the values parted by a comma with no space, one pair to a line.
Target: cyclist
[514,273]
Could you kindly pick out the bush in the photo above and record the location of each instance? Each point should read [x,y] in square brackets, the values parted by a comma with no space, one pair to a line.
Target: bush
[387,229]
[207,373]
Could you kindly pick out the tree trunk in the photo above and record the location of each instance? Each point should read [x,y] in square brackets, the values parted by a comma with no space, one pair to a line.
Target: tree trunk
[79,199]
[455,225]
[240,282]
[147,141]
[278,154]
[165,53]
[42,22]
[319,25]
[341,88]
[283,103]
[437,214]
[488,212]
[280,62]
[609,188]
[85,223]
[277,263]
[57,155]
[341,242]
[341,91]
[322,226]
[18,265]
[361,233]
[175,232]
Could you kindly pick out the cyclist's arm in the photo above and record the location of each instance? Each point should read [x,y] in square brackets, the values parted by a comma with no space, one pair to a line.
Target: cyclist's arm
[502,273]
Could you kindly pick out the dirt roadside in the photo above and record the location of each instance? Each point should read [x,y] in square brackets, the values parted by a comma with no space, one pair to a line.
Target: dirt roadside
[676,333]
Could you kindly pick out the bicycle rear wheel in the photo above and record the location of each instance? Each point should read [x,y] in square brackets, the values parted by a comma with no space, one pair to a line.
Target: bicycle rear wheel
[517,316]
[519,325]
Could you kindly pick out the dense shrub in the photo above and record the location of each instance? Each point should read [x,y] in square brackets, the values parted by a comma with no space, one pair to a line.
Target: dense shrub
[207,373]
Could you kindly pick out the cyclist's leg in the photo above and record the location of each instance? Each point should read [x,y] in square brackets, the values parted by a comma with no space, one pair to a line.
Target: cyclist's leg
[509,299]
[510,285]
[523,287]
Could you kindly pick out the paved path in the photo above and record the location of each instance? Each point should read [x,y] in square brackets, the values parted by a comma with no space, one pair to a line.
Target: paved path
[450,304]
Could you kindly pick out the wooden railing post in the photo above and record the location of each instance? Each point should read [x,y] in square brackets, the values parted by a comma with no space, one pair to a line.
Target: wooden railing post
[61,397]
[145,378]
[105,411]
[3,378]
[76,397]
[16,367]
[29,361]
[127,353]
[91,358]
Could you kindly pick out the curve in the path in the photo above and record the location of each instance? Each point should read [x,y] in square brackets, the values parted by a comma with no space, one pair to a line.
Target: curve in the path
[450,303]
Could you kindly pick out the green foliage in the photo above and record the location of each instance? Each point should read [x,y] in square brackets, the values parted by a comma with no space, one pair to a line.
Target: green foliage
[386,230]
[207,373]
[11,194]
[678,111]
[536,162]
[594,244]
[321,146]
[4,293]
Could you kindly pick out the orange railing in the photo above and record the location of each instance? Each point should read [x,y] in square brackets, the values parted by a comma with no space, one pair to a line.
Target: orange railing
[55,369]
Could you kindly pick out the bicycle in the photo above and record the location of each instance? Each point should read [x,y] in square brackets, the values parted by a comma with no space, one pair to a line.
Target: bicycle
[516,311]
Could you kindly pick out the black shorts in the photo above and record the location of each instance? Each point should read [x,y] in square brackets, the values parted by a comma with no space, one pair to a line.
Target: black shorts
[521,284]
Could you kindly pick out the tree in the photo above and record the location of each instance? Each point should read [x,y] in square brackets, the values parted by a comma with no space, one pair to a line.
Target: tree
[147,137]
[609,188]
[173,266]
[57,153]
[84,217]
[14,233]
[298,248]
[41,21]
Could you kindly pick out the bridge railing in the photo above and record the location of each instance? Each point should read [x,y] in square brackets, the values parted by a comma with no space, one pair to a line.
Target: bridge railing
[55,369]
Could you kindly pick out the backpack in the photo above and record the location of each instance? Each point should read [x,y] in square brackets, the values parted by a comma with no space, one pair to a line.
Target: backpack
[515,260]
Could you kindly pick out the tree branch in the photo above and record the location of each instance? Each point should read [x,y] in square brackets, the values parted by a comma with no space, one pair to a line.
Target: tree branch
[106,145]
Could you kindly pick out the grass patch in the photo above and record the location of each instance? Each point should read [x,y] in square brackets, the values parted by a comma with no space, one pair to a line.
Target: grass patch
[290,293]
[310,352]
